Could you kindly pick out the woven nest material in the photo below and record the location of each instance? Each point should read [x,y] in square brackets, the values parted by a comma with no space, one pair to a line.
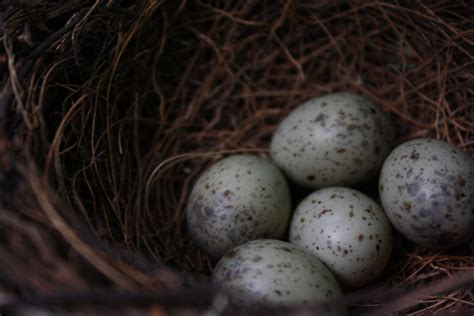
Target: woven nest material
[110,110]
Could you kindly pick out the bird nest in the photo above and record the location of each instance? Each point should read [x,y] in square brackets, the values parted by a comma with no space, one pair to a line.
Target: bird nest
[109,111]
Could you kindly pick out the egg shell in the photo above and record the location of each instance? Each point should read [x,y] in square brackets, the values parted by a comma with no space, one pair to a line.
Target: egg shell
[427,190]
[277,273]
[240,198]
[338,139]
[347,231]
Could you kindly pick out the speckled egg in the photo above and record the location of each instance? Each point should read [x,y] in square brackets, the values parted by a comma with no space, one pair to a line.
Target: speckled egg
[277,273]
[335,139]
[240,198]
[427,190]
[347,231]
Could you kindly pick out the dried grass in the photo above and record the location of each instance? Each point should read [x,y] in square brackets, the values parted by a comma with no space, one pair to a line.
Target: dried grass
[111,109]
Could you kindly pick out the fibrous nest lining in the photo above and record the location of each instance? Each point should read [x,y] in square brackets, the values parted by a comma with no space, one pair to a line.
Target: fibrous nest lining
[111,109]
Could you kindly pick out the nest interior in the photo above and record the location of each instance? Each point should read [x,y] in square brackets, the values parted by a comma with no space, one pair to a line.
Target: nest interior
[111,109]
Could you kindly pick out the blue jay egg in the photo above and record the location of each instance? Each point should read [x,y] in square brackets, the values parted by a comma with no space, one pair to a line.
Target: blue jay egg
[337,139]
[347,231]
[238,199]
[427,190]
[277,273]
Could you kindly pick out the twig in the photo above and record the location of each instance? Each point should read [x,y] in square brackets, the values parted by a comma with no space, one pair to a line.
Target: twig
[199,298]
